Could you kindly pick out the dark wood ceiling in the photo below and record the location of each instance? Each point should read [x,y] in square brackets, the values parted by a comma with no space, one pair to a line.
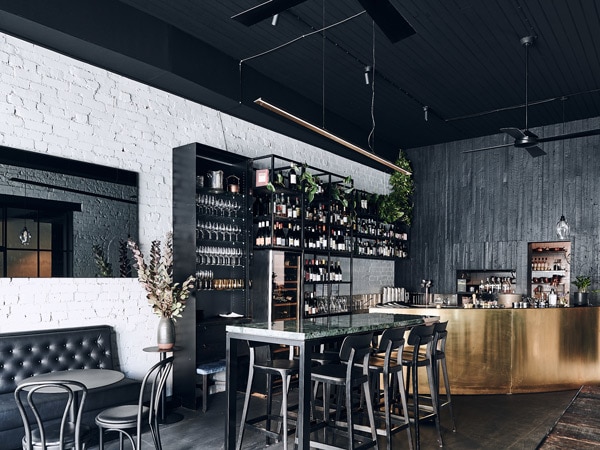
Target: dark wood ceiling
[465,64]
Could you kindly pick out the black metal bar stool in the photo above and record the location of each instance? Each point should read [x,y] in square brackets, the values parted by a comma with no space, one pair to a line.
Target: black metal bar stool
[352,372]
[439,357]
[386,363]
[421,355]
[283,368]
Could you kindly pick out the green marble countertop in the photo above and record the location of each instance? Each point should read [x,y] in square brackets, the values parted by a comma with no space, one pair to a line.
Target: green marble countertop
[332,326]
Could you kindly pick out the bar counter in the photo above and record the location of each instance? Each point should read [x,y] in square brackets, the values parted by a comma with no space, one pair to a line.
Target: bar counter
[510,351]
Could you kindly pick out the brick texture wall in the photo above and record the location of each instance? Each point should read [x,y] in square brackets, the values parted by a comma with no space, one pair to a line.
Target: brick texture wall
[53,104]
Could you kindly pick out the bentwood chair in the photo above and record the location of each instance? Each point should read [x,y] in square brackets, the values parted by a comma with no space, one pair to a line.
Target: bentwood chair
[129,418]
[36,398]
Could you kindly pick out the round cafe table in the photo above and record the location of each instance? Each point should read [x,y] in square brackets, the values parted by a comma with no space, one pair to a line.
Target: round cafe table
[171,417]
[90,378]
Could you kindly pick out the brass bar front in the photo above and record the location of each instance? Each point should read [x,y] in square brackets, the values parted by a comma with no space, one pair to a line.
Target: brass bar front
[504,351]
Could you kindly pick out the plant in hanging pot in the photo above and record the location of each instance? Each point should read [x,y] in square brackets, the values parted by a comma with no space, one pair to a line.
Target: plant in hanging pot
[582,282]
[166,297]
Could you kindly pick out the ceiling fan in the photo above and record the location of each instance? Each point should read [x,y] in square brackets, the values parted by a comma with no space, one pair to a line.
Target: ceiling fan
[524,138]
[383,13]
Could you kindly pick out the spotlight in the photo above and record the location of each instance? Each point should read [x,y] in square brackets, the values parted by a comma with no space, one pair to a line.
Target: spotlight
[368,74]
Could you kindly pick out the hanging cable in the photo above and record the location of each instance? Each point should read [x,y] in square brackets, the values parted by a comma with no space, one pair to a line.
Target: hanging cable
[323,66]
[562,226]
[371,138]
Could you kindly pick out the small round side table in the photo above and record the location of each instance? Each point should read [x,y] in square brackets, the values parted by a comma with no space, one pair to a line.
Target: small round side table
[171,417]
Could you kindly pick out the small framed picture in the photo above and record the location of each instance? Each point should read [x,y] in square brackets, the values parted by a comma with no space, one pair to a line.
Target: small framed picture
[262,177]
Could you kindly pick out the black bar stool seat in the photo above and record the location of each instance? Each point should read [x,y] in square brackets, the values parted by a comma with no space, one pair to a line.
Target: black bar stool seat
[284,368]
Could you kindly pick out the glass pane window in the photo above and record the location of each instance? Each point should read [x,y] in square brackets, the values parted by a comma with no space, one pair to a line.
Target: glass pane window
[35,242]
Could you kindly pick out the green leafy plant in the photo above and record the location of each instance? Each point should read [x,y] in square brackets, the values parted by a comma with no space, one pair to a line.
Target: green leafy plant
[397,205]
[166,298]
[582,282]
[104,267]
[342,192]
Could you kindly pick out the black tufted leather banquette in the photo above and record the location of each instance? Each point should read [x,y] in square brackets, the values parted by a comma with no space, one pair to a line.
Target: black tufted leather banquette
[24,354]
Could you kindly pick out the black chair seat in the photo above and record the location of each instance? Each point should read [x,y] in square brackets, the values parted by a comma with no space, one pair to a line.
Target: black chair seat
[124,416]
[336,374]
[278,366]
[326,357]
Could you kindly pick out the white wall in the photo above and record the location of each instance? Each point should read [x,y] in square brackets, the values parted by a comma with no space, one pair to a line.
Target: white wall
[53,104]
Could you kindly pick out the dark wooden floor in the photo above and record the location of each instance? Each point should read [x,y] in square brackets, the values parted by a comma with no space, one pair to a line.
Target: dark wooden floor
[519,421]
[579,426]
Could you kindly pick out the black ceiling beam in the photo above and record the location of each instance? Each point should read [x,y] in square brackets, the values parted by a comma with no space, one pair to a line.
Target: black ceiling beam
[124,40]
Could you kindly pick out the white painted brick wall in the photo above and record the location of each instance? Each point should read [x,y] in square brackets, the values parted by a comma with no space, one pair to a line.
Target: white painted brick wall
[53,104]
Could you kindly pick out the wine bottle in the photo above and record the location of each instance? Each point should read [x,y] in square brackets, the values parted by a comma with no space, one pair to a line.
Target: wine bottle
[267,234]
[292,178]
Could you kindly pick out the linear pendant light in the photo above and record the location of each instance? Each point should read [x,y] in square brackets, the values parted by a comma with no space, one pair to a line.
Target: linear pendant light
[259,101]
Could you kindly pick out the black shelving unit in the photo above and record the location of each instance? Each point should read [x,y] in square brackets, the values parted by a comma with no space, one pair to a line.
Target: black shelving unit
[210,240]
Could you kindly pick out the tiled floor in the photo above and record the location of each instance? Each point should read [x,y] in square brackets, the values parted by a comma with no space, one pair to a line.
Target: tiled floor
[488,422]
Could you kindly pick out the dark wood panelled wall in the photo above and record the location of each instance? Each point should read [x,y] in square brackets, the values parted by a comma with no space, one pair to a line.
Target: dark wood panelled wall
[480,210]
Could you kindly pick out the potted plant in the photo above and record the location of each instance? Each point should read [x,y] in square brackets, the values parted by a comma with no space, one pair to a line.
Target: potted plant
[166,297]
[397,205]
[583,283]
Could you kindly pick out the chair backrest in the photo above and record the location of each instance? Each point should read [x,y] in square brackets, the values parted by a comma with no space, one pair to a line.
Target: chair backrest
[356,348]
[154,383]
[419,336]
[392,339]
[440,333]
[68,396]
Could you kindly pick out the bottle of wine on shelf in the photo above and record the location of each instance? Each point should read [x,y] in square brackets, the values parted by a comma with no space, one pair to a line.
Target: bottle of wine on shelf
[292,178]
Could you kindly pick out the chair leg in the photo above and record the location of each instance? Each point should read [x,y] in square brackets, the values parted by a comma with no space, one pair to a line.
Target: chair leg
[434,402]
[388,408]
[404,404]
[284,408]
[349,420]
[448,394]
[367,391]
[101,438]
[415,386]
[269,404]
[238,445]
[204,393]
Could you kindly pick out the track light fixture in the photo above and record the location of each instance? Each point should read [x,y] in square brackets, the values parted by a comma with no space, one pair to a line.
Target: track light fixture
[368,75]
[327,134]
